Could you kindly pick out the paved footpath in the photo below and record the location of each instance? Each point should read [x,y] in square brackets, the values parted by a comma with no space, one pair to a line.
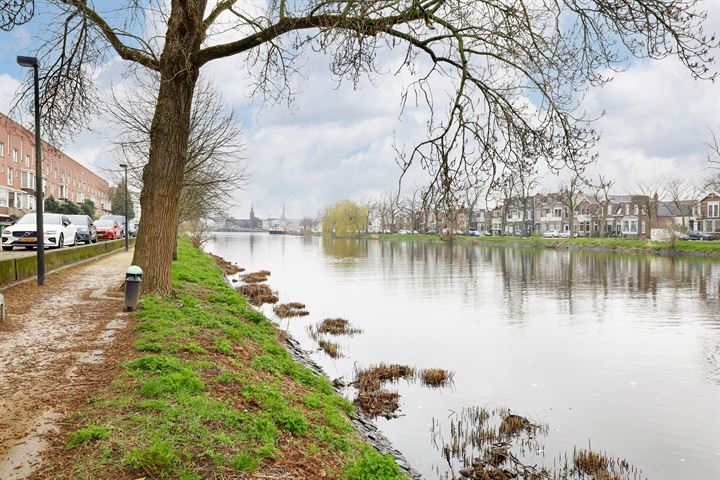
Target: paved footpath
[56,344]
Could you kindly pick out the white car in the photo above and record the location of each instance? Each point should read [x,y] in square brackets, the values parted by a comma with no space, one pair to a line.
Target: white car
[551,234]
[565,235]
[58,231]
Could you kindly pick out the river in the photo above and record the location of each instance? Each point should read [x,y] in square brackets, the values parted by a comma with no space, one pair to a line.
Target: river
[617,352]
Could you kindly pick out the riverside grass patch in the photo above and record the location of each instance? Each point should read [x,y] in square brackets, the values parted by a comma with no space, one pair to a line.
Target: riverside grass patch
[209,392]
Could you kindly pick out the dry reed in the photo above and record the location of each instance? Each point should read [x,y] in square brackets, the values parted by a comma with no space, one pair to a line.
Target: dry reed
[436,377]
[256,277]
[331,348]
[292,309]
[373,378]
[257,294]
[228,268]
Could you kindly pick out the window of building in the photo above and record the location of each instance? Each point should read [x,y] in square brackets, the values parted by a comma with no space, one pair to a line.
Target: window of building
[15,155]
[27,180]
[609,209]
[27,161]
[642,227]
[637,210]
[4,197]
[10,176]
[627,209]
[558,212]
[629,226]
[714,209]
[2,149]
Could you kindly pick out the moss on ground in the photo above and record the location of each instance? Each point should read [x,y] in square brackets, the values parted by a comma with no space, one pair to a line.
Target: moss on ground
[210,392]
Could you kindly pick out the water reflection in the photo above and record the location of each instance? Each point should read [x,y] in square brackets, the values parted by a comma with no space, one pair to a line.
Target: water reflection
[621,350]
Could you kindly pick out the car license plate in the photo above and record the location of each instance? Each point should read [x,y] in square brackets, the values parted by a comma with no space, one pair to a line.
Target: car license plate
[28,240]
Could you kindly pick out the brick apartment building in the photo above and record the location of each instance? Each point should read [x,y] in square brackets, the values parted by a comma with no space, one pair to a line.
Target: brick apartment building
[63,178]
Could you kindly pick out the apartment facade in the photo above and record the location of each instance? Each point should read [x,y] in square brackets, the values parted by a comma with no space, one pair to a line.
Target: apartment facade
[63,178]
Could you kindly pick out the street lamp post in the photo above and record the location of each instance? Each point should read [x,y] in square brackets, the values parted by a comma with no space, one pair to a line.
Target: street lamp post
[127,240]
[40,230]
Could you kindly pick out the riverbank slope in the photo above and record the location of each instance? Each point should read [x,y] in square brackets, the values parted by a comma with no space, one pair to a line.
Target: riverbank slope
[208,391]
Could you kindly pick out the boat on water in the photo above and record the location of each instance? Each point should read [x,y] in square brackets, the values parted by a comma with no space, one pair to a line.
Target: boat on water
[276,232]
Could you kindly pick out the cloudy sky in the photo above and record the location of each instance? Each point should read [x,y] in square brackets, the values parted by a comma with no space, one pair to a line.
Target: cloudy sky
[336,142]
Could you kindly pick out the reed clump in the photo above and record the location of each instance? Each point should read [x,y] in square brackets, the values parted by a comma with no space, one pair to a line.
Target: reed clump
[513,425]
[228,268]
[292,309]
[331,348]
[257,294]
[256,277]
[436,377]
[378,403]
[589,462]
[371,379]
[333,326]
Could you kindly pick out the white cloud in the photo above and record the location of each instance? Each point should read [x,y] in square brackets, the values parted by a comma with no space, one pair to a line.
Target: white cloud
[655,124]
[8,87]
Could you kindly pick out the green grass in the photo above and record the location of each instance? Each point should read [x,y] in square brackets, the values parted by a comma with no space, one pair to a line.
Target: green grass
[712,248]
[210,390]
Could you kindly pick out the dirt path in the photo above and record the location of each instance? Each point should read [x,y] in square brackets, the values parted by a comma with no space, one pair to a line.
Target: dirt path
[55,345]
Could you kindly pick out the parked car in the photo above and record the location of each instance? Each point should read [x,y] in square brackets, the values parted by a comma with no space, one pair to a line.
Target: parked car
[551,234]
[133,229]
[683,236]
[58,231]
[120,219]
[473,233]
[696,235]
[403,232]
[108,229]
[431,232]
[564,235]
[86,230]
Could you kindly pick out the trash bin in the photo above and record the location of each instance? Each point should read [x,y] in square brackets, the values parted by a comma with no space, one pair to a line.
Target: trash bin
[133,279]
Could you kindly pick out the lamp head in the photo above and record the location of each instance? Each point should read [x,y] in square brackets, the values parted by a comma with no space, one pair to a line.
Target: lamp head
[122,165]
[27,61]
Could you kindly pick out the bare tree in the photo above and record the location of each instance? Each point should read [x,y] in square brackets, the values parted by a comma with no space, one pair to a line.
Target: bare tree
[215,167]
[411,205]
[713,183]
[714,147]
[601,194]
[473,192]
[653,189]
[14,13]
[495,54]
[570,191]
[390,209]
[685,196]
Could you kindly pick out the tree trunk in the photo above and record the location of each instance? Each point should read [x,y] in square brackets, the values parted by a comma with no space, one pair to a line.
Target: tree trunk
[169,133]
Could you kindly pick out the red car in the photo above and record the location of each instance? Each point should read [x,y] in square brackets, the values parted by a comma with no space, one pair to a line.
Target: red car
[107,229]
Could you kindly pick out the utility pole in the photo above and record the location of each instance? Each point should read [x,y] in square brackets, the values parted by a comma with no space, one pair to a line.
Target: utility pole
[127,231]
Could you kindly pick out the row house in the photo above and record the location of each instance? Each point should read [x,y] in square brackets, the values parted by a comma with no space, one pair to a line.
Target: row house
[709,213]
[481,220]
[439,220]
[550,213]
[587,221]
[63,178]
[628,216]
[520,216]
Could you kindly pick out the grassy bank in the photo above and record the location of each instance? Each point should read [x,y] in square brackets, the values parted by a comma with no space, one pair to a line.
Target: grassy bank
[208,391]
[691,247]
